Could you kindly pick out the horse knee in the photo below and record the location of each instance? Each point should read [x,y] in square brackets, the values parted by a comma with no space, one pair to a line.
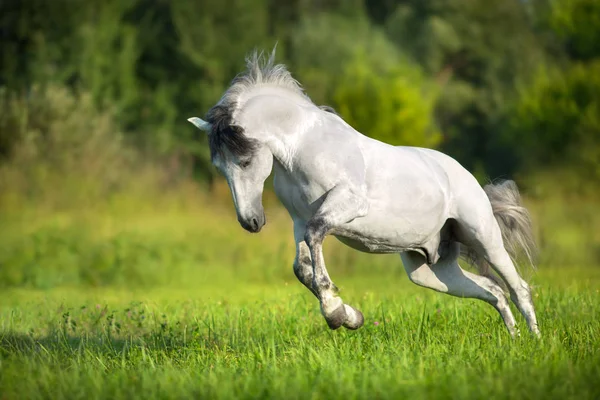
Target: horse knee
[496,294]
[316,230]
[303,270]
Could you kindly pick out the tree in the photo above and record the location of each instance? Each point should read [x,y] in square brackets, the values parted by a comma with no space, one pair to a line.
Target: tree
[577,24]
[556,120]
[394,106]
[477,51]
[324,44]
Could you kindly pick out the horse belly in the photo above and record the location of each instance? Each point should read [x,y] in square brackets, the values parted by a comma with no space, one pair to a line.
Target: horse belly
[369,245]
[409,225]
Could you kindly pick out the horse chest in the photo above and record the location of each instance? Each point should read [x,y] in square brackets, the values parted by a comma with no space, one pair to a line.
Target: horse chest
[301,201]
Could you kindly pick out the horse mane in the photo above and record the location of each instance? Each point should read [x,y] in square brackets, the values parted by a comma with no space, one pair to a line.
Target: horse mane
[260,71]
[328,109]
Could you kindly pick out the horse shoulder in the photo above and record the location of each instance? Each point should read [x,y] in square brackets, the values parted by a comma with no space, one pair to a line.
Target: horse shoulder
[333,156]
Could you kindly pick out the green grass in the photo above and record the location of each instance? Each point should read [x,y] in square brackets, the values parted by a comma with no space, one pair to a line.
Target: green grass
[238,340]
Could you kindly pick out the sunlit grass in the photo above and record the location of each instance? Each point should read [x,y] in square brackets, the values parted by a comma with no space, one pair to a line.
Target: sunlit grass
[240,340]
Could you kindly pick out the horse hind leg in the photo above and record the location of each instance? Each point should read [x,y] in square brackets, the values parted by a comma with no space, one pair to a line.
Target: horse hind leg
[520,293]
[481,233]
[446,276]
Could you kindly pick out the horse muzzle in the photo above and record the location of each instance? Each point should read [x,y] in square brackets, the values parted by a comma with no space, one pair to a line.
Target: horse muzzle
[254,223]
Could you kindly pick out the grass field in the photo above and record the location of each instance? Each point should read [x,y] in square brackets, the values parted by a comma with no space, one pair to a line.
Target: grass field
[169,298]
[269,341]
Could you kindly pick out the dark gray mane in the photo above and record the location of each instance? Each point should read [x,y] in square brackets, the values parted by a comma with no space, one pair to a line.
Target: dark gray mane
[224,134]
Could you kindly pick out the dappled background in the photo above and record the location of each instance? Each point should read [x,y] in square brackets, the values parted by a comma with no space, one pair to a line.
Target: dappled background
[123,270]
[104,182]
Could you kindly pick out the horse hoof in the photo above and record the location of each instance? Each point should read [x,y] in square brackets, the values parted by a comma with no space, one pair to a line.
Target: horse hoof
[336,318]
[354,318]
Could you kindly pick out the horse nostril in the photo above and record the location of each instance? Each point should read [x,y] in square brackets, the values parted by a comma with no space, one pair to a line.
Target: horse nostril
[254,224]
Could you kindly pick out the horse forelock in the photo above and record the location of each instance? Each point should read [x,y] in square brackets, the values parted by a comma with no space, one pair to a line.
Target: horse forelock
[225,134]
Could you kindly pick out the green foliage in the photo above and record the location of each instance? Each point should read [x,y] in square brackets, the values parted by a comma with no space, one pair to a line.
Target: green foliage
[109,54]
[154,64]
[577,23]
[374,88]
[321,61]
[557,119]
[38,43]
[477,51]
[394,106]
[54,135]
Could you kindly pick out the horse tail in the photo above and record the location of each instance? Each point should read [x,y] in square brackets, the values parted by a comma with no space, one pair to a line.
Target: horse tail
[514,222]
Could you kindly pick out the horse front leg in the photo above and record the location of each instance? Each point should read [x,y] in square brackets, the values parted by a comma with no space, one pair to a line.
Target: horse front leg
[302,262]
[341,205]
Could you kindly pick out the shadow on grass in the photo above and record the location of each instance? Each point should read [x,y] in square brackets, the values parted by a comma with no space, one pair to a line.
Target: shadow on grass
[166,338]
[58,342]
[12,342]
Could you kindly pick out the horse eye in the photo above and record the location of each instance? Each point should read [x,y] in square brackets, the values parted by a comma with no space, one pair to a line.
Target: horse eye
[244,163]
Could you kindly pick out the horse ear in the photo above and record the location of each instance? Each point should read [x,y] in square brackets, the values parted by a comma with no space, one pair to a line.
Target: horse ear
[200,124]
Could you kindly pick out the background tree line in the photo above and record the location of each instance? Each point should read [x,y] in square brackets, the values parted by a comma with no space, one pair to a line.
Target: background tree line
[504,86]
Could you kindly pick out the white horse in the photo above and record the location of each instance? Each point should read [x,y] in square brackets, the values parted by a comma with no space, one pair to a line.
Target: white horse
[372,196]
